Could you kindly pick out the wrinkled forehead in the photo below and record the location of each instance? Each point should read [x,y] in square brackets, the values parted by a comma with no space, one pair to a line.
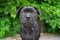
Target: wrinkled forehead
[28,9]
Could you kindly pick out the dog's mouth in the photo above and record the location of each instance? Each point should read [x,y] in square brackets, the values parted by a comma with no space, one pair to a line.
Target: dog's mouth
[29,21]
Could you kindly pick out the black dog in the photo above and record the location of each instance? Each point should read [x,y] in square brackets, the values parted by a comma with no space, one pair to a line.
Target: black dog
[30,29]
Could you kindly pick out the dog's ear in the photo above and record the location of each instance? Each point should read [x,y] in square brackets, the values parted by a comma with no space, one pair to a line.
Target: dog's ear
[18,10]
[38,11]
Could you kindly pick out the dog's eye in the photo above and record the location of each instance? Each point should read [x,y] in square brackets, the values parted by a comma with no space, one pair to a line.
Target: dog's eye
[22,12]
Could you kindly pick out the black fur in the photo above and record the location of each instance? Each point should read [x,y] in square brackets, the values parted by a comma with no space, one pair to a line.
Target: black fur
[30,29]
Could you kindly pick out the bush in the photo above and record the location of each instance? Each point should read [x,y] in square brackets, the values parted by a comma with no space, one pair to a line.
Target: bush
[9,21]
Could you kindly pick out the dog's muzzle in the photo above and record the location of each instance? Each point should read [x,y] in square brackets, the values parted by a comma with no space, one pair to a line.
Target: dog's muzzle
[28,16]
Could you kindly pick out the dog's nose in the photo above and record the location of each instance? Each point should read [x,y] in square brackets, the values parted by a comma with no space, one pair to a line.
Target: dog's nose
[27,17]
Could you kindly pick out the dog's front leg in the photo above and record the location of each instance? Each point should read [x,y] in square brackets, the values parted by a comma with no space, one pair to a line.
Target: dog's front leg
[22,33]
[33,33]
[36,32]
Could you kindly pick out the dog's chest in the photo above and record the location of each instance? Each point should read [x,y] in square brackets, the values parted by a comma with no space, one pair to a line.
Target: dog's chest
[28,28]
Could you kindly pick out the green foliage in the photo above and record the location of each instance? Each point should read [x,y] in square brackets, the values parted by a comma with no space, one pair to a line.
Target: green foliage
[10,23]
[51,16]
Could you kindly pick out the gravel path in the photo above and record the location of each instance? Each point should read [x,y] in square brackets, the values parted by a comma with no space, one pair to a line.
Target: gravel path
[50,37]
[43,37]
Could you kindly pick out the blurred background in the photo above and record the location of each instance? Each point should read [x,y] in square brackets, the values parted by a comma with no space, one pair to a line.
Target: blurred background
[10,22]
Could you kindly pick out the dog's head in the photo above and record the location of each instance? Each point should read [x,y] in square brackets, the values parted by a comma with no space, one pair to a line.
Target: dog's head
[28,14]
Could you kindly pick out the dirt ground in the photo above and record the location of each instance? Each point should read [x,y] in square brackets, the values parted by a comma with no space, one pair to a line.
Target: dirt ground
[43,37]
